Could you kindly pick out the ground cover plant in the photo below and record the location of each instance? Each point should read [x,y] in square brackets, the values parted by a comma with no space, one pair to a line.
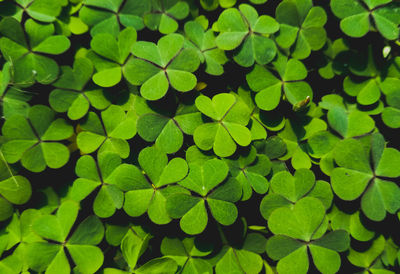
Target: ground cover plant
[199,136]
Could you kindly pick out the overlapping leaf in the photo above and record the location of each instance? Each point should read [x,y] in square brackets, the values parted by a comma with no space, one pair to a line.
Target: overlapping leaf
[111,55]
[269,87]
[25,49]
[357,17]
[33,140]
[207,181]
[230,117]
[148,191]
[302,228]
[108,16]
[242,29]
[72,95]
[164,15]
[356,176]
[157,67]
[108,134]
[301,27]
[50,255]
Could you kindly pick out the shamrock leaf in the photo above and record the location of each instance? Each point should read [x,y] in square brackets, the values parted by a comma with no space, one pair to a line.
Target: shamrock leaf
[164,15]
[352,223]
[33,140]
[45,11]
[148,192]
[110,54]
[269,88]
[300,228]
[205,180]
[298,129]
[133,245]
[359,17]
[350,123]
[389,86]
[109,134]
[204,42]
[107,16]
[13,99]
[105,176]
[250,170]
[244,30]
[167,131]
[301,27]
[368,258]
[229,127]
[356,176]
[156,67]
[287,190]
[391,114]
[19,236]
[25,50]
[213,4]
[188,254]
[368,81]
[72,95]
[14,189]
[256,124]
[81,245]
[244,257]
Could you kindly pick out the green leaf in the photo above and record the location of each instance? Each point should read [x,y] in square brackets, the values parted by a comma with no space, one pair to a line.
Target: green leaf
[301,222]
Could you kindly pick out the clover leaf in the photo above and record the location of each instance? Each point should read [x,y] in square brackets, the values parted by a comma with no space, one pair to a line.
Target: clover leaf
[357,17]
[72,95]
[391,114]
[107,16]
[301,27]
[243,257]
[133,246]
[14,189]
[243,27]
[369,79]
[250,170]
[105,177]
[298,129]
[369,259]
[45,11]
[149,191]
[356,176]
[13,99]
[110,54]
[287,190]
[352,223]
[204,42]
[109,134]
[350,123]
[25,50]
[20,235]
[205,180]
[230,117]
[50,255]
[165,14]
[188,254]
[257,125]
[269,87]
[300,228]
[156,67]
[167,130]
[33,140]
[213,4]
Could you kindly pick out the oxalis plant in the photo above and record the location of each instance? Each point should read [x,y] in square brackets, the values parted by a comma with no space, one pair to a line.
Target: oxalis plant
[199,136]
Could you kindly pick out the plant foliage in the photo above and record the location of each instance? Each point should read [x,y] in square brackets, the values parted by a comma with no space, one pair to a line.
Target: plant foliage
[209,136]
